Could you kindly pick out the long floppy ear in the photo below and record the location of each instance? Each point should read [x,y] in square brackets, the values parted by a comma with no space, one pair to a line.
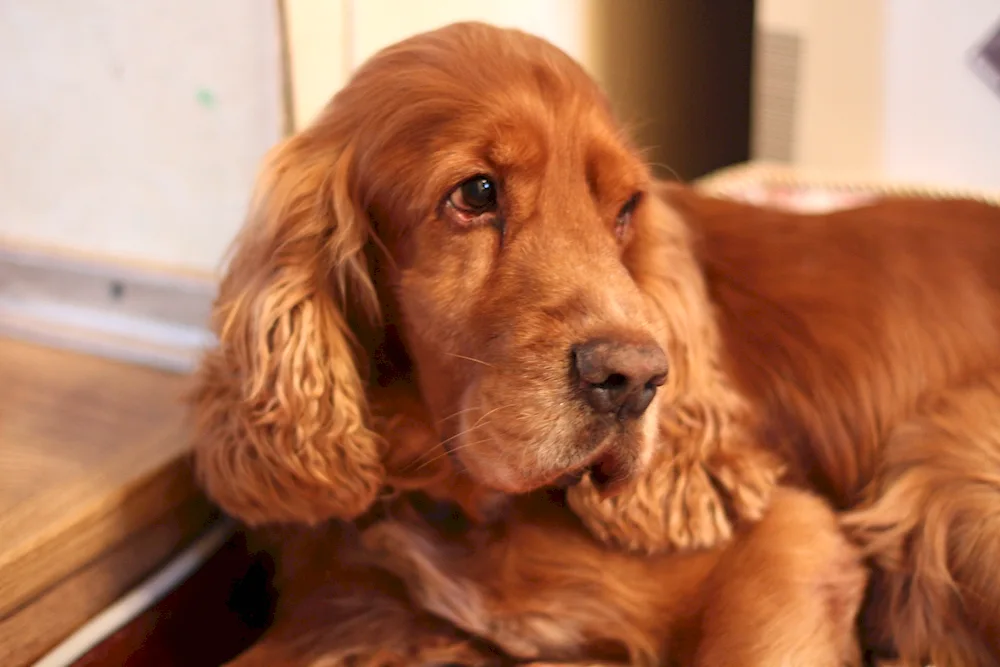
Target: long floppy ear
[280,410]
[705,472]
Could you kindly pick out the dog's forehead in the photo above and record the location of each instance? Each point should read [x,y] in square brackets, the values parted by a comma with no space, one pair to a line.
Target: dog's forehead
[515,107]
[463,64]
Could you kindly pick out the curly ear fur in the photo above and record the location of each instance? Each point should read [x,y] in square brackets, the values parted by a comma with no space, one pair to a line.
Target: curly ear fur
[281,416]
[704,472]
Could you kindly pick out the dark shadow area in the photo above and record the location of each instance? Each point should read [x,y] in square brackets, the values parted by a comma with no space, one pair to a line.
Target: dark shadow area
[208,620]
[681,79]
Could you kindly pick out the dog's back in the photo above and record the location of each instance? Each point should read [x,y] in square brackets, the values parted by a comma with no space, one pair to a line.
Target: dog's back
[836,325]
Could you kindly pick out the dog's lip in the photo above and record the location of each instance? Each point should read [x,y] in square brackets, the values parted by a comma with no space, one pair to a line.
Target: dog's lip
[608,466]
[610,473]
[606,472]
[570,479]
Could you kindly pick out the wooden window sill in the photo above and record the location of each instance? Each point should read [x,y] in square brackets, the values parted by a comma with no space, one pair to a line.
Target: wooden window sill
[96,488]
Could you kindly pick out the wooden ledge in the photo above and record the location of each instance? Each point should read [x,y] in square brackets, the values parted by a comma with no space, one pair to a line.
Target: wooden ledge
[96,489]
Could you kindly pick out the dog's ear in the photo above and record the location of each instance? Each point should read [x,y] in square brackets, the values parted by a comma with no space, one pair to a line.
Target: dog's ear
[281,425]
[705,474]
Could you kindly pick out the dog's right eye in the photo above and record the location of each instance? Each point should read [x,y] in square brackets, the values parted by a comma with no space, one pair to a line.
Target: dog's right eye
[474,197]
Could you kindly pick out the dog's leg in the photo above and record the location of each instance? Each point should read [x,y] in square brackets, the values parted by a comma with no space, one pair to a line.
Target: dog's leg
[361,620]
[542,592]
[380,635]
[442,587]
[933,530]
[786,592]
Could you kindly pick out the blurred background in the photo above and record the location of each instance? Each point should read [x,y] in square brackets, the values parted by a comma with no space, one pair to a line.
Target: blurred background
[133,129]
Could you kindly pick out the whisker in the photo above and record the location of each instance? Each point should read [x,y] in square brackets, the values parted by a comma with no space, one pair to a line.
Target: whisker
[420,460]
[669,169]
[471,444]
[456,414]
[501,407]
[461,433]
[446,452]
[472,359]
[444,442]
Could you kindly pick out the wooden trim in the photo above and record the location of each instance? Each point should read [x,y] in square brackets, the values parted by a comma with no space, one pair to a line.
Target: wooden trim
[29,567]
[287,91]
[145,315]
[38,626]
[318,36]
[209,619]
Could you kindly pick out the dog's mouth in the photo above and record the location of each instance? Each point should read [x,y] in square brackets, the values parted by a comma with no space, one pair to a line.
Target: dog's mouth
[607,456]
[609,473]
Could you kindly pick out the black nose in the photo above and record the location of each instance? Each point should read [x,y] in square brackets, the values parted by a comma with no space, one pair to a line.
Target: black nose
[619,378]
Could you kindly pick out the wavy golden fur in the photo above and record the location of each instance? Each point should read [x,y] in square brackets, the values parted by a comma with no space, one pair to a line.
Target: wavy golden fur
[461,282]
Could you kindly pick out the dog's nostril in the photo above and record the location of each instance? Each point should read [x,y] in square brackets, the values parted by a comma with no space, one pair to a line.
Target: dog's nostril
[619,378]
[614,381]
[638,404]
[657,381]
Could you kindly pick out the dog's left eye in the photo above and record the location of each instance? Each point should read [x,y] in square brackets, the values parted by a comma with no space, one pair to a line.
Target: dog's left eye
[474,197]
[624,218]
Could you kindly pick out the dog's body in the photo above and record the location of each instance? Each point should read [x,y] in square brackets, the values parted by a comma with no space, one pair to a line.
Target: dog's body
[533,307]
[869,343]
[538,587]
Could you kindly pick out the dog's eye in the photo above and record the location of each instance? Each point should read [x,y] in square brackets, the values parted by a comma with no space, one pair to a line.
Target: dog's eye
[625,215]
[474,197]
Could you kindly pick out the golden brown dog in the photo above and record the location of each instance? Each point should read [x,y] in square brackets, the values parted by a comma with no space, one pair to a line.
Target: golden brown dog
[462,280]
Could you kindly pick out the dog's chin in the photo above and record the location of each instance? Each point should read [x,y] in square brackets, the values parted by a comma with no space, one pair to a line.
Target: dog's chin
[610,468]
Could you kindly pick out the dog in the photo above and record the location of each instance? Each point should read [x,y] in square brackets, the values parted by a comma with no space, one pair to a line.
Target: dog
[462,284]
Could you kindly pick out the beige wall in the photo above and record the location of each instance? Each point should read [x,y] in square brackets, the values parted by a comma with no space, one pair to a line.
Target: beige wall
[329,38]
[319,53]
[839,115]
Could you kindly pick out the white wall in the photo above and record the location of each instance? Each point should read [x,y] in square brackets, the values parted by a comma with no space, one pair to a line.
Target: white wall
[885,88]
[886,91]
[379,23]
[133,129]
[942,122]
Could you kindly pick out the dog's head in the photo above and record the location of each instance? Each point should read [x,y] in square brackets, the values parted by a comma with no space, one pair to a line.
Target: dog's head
[466,217]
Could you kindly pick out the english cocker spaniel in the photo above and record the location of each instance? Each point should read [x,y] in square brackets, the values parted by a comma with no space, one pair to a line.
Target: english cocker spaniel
[461,287]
